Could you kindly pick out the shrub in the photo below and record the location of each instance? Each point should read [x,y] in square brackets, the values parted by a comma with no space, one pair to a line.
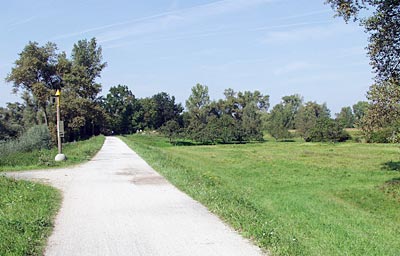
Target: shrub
[327,129]
[36,137]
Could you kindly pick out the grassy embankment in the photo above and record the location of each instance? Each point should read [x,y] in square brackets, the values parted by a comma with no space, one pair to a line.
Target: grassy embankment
[27,209]
[292,198]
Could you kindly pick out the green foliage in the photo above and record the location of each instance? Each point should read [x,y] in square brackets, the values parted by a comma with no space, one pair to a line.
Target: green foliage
[326,130]
[383,113]
[40,70]
[346,117]
[282,117]
[35,72]
[36,138]
[120,104]
[290,198]
[235,119]
[171,130]
[307,116]
[360,110]
[26,216]
[383,26]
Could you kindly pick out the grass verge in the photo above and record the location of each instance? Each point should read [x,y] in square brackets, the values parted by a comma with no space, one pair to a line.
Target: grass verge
[26,216]
[291,198]
[76,152]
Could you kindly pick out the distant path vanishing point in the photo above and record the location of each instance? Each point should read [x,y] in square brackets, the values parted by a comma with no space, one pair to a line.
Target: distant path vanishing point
[116,204]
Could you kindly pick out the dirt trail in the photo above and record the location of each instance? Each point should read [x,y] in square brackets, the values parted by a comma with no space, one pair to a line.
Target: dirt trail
[118,205]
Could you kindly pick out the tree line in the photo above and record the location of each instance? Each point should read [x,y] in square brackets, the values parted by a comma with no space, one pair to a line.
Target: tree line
[238,117]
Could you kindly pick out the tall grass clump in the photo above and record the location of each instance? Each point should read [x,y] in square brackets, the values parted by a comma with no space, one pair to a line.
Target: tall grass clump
[36,137]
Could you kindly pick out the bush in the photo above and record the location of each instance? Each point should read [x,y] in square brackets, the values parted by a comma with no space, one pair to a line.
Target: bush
[36,137]
[327,129]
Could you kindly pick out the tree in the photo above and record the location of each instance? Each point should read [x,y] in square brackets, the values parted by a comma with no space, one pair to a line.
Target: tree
[327,129]
[384,110]
[120,104]
[306,118]
[279,122]
[292,103]
[165,109]
[346,117]
[81,108]
[383,27]
[237,118]
[171,129]
[35,72]
[360,109]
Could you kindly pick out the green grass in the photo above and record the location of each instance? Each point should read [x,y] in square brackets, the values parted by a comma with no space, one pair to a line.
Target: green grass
[292,198]
[76,152]
[27,209]
[26,216]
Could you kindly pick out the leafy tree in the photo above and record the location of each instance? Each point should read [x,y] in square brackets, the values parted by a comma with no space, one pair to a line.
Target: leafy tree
[81,108]
[10,121]
[360,109]
[346,117]
[278,122]
[120,104]
[383,26]
[251,123]
[327,129]
[292,103]
[35,72]
[306,118]
[384,111]
[171,129]
[165,109]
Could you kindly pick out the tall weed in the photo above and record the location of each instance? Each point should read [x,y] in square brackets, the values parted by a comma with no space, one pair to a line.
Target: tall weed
[36,137]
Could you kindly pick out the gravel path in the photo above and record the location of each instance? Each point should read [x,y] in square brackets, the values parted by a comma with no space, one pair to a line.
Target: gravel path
[118,205]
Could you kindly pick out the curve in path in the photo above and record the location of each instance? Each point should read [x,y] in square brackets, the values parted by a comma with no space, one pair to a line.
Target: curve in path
[116,204]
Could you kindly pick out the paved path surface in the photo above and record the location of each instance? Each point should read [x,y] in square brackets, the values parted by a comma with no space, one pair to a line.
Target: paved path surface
[118,205]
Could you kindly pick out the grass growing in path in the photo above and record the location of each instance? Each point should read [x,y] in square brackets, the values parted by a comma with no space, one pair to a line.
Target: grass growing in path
[292,198]
[26,216]
[76,152]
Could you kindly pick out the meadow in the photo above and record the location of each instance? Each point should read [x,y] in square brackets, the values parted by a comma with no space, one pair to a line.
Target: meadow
[27,209]
[291,198]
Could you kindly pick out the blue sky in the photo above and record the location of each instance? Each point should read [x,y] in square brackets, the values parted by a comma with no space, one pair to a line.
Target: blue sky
[280,47]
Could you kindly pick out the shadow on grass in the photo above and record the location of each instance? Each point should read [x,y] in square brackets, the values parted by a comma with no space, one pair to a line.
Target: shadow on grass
[286,140]
[391,166]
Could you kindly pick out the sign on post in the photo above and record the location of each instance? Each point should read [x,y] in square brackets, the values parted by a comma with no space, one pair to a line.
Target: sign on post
[62,129]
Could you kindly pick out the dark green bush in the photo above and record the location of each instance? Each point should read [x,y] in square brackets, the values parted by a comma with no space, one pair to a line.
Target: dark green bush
[36,137]
[326,130]
[380,136]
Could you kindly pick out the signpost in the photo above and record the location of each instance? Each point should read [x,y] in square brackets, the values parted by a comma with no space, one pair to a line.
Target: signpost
[60,156]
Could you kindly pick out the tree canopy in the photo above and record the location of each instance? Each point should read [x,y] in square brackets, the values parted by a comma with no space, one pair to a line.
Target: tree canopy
[382,23]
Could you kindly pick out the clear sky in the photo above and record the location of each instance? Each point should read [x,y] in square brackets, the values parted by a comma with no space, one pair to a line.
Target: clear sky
[280,47]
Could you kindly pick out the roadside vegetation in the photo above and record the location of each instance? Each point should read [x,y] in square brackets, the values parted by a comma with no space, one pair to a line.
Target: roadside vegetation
[76,152]
[27,209]
[291,198]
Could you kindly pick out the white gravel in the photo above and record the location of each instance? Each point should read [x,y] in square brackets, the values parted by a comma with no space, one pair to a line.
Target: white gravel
[118,205]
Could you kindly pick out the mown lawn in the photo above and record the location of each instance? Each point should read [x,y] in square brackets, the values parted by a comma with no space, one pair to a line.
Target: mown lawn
[27,209]
[292,198]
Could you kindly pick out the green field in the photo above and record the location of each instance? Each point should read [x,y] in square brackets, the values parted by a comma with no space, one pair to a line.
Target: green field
[27,209]
[292,198]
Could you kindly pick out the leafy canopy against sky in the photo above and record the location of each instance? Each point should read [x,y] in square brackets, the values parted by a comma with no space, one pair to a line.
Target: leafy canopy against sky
[280,47]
